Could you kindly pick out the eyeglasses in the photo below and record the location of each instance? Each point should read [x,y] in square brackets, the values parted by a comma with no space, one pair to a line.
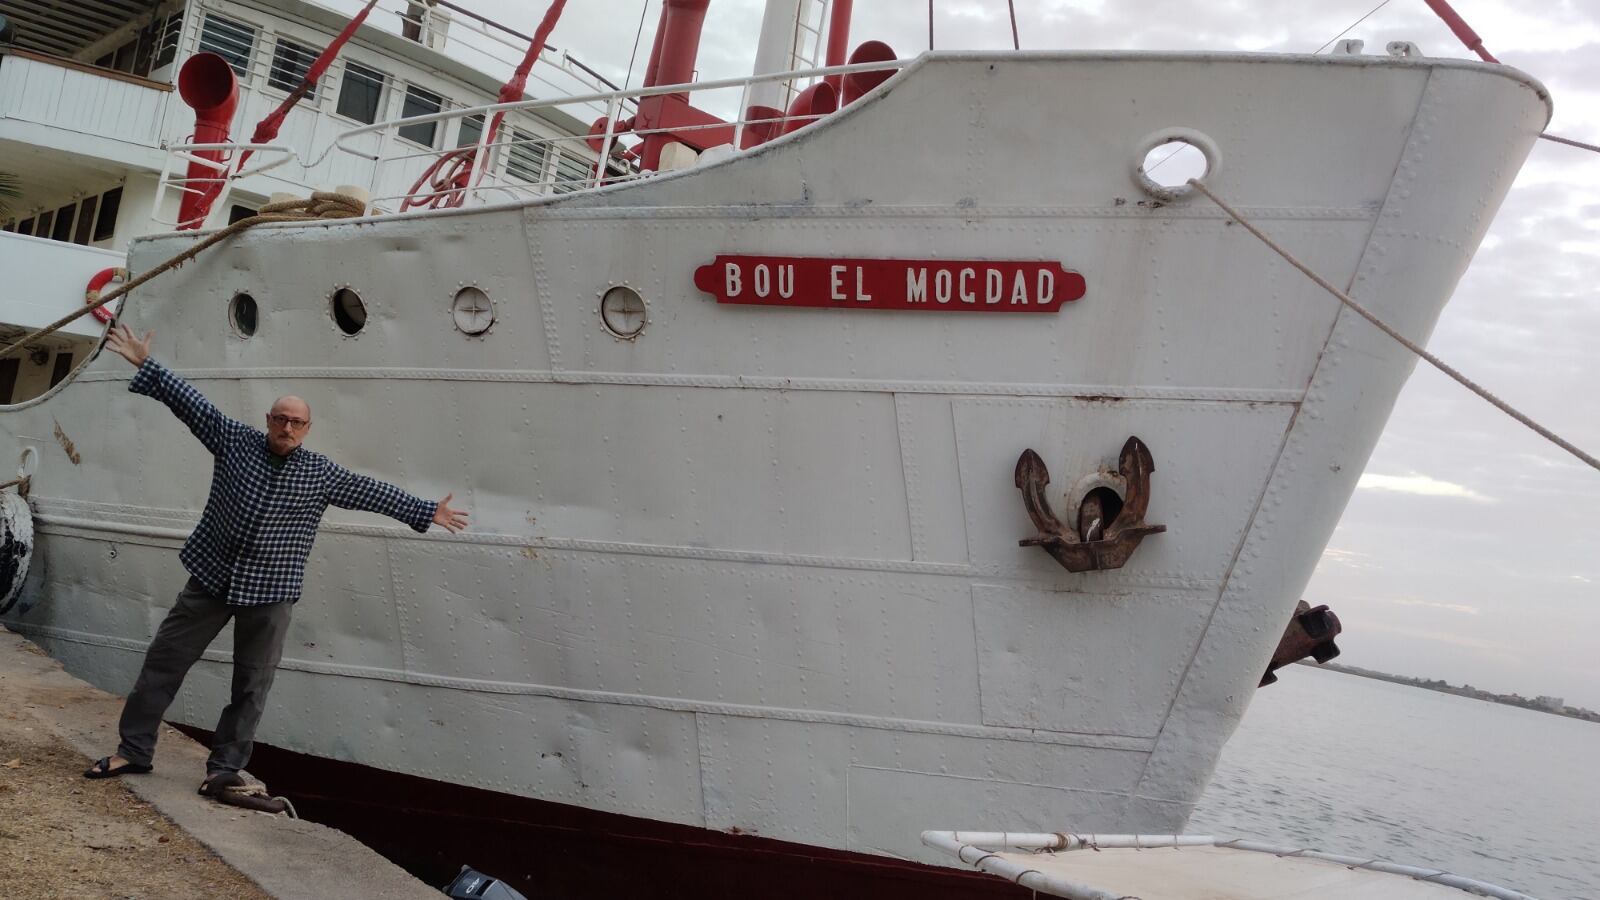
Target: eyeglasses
[280,419]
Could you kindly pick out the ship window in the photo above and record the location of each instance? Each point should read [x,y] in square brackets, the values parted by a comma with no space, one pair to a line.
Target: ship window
[237,212]
[26,227]
[167,43]
[47,222]
[420,102]
[526,159]
[471,131]
[63,227]
[8,378]
[349,312]
[230,40]
[360,93]
[242,314]
[85,220]
[572,174]
[62,369]
[106,224]
[290,63]
[9,226]
[124,58]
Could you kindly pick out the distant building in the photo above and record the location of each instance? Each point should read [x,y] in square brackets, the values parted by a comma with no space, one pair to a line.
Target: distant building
[1553,704]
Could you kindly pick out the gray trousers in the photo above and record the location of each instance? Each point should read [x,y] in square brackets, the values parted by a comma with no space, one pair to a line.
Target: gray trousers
[195,620]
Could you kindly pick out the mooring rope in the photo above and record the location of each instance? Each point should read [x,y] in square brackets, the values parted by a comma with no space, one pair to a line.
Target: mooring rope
[1404,341]
[320,205]
[1570,142]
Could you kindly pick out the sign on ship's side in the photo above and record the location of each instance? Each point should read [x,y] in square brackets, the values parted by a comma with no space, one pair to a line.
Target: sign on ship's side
[986,285]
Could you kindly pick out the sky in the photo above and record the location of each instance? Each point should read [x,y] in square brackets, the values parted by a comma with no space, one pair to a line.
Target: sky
[1471,549]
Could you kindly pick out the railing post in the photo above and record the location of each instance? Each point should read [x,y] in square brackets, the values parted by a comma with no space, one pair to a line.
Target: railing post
[480,158]
[613,110]
[744,106]
[161,186]
[377,164]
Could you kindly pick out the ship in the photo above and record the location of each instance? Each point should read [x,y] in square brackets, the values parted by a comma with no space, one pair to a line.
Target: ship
[901,447]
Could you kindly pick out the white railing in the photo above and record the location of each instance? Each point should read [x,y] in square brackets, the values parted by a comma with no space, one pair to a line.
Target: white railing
[517,163]
[495,47]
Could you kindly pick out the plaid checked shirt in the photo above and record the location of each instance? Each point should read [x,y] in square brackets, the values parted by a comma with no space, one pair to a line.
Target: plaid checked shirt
[251,545]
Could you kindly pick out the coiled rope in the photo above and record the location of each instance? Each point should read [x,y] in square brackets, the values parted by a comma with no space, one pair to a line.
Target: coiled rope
[320,205]
[1404,341]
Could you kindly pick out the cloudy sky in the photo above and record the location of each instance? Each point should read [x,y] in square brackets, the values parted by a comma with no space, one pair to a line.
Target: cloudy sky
[1471,550]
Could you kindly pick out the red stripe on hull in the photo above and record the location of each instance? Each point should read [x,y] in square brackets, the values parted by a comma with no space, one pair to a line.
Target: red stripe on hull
[552,850]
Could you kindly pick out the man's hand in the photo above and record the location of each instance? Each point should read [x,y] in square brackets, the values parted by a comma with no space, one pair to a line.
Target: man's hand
[448,518]
[122,342]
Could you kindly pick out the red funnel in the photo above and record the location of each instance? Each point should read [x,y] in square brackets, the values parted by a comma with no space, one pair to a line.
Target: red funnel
[858,83]
[813,103]
[207,85]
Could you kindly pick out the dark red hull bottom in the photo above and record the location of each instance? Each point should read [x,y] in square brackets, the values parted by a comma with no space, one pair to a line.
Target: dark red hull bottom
[551,851]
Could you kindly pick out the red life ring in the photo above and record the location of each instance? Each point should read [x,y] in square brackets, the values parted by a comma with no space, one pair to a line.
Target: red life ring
[92,293]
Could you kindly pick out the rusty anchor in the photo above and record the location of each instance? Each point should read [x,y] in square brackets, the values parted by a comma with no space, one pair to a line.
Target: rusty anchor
[1310,633]
[1091,545]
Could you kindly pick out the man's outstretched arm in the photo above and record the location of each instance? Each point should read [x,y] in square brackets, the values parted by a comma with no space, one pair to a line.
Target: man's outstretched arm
[348,490]
[189,405]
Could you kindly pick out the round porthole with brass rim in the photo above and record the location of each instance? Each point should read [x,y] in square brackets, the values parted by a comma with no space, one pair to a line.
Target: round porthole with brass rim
[472,310]
[623,312]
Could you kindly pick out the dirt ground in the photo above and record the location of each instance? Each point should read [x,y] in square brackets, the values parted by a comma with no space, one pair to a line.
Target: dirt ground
[65,837]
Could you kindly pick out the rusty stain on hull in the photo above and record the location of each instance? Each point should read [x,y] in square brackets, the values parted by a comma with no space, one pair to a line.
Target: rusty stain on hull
[67,445]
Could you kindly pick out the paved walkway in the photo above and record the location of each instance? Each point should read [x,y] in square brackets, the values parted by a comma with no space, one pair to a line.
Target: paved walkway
[147,835]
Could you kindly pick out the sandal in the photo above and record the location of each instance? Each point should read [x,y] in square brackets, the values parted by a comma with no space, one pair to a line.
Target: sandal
[102,769]
[215,784]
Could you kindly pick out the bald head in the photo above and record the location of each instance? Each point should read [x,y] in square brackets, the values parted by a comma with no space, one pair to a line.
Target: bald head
[290,405]
[287,424]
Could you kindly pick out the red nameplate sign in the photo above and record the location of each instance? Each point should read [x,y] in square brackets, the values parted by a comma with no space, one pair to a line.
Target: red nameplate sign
[977,285]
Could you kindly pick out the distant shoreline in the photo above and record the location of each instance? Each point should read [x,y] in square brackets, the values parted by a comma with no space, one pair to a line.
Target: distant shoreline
[1552,705]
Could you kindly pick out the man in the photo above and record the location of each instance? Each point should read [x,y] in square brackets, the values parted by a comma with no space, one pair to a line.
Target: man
[246,560]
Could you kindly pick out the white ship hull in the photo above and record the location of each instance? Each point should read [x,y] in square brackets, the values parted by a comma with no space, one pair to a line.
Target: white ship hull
[758,570]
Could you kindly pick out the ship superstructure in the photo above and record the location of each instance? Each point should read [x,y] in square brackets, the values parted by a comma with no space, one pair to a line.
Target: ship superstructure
[89,106]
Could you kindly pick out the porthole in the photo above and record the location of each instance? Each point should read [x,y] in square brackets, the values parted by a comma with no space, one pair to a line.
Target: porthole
[472,310]
[623,312]
[1167,160]
[349,312]
[242,314]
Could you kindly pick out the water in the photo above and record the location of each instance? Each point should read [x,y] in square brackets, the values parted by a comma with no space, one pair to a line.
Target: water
[1352,765]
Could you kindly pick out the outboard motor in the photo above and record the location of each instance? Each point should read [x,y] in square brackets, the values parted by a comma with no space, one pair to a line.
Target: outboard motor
[474,885]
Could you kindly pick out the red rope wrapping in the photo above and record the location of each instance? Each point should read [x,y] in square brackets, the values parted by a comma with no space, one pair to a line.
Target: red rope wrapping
[450,174]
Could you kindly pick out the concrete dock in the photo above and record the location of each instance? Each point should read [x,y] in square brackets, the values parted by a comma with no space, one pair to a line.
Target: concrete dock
[146,836]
